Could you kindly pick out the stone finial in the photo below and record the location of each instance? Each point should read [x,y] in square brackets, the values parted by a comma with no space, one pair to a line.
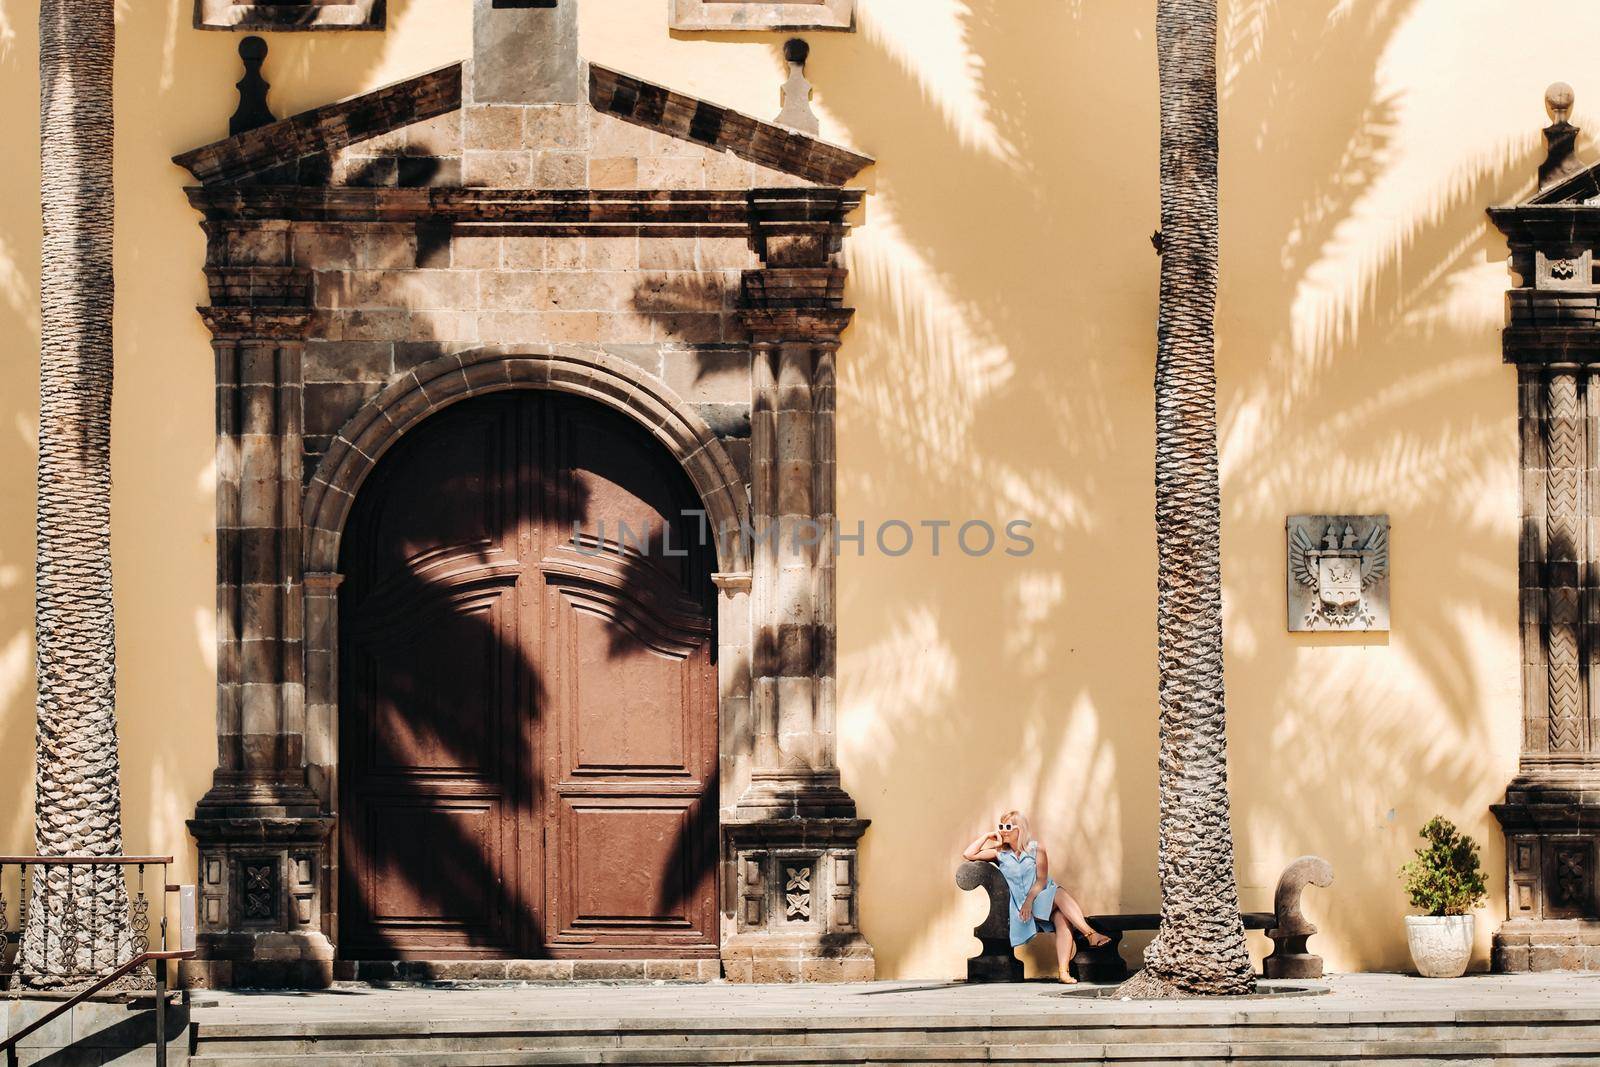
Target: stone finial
[253,110]
[797,113]
[1560,138]
[1559,99]
[1291,929]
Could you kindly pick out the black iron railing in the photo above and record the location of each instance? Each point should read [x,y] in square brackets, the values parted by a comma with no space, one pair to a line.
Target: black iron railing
[66,932]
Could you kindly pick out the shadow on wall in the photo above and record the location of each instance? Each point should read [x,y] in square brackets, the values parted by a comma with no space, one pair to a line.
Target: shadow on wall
[1001,367]
[1376,386]
[163,418]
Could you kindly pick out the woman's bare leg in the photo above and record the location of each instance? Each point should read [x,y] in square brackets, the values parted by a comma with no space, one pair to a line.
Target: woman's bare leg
[1071,913]
[1065,950]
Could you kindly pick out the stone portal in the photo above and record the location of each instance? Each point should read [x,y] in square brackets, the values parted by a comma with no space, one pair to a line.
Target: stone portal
[1551,813]
[493,227]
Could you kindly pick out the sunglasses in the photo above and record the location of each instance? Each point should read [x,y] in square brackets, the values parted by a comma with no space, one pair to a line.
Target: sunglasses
[1007,827]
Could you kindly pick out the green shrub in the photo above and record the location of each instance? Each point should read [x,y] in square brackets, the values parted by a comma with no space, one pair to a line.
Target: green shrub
[1445,878]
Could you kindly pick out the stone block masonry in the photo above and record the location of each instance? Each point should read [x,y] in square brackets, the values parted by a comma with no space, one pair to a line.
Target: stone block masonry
[394,297]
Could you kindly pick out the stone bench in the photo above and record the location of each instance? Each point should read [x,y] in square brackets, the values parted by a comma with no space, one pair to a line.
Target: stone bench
[1286,925]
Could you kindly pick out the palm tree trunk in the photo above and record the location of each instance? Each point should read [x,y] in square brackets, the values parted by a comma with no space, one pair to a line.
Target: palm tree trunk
[1200,947]
[77,918]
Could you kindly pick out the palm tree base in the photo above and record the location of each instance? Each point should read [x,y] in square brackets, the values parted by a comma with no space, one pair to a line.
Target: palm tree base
[1146,985]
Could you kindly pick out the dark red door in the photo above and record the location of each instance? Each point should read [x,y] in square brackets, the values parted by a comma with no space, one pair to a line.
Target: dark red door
[528,724]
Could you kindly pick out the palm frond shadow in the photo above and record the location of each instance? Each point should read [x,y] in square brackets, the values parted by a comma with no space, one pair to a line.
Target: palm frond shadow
[1029,685]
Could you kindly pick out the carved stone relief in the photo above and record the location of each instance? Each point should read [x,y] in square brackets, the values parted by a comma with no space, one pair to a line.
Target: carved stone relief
[797,893]
[1338,572]
[1570,271]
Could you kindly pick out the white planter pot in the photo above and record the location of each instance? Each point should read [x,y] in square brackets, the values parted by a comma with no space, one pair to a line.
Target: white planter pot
[1441,945]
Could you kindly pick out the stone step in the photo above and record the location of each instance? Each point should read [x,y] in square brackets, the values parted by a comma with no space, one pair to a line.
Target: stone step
[1512,1050]
[489,1036]
[1503,1037]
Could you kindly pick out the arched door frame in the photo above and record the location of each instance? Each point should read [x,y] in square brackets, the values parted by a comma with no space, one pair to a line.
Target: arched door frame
[441,383]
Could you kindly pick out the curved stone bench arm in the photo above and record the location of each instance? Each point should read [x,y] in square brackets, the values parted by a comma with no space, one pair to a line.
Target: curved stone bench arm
[1291,929]
[997,962]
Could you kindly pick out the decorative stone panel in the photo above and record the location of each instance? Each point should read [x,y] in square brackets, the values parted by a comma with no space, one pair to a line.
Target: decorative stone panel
[1338,573]
[796,896]
[286,15]
[707,15]
[258,892]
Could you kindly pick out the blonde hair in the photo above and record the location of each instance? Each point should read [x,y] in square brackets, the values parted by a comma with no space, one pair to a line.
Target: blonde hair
[1024,838]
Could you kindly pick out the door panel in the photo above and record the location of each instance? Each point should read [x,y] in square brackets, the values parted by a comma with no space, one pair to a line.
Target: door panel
[631,873]
[616,670]
[451,661]
[449,837]
[510,679]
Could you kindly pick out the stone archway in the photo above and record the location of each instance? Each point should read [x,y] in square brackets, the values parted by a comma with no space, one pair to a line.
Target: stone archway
[447,380]
[441,385]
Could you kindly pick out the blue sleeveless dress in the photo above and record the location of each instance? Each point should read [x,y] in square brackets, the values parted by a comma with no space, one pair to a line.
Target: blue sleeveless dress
[1020,872]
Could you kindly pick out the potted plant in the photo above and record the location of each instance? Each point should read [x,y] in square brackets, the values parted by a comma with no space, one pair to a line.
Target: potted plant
[1446,883]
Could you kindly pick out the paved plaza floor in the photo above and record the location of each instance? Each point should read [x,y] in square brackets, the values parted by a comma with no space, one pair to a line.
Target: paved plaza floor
[1549,1019]
[1344,998]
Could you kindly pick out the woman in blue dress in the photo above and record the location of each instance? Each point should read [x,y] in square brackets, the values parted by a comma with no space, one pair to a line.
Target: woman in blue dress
[1038,905]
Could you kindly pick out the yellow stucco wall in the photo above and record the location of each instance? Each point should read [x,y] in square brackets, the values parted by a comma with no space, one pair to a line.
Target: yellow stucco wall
[1000,367]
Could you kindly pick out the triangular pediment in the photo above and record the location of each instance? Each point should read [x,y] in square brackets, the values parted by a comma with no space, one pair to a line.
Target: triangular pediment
[409,134]
[1580,187]
[273,154]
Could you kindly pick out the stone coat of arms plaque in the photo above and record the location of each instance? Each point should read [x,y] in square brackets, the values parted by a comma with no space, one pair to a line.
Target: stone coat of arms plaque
[1338,572]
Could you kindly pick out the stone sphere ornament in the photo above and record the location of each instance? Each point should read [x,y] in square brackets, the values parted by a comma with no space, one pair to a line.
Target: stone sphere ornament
[1559,98]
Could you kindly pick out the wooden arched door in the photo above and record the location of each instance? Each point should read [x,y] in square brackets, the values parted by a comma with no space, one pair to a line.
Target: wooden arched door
[528,710]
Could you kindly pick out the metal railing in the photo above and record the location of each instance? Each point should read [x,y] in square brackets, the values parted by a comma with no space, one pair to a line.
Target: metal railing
[72,926]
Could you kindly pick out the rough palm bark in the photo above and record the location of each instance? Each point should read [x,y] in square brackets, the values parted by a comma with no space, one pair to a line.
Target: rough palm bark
[78,922]
[1200,947]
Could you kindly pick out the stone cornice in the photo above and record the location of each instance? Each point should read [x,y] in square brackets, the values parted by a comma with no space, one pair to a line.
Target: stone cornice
[243,323]
[1547,224]
[324,129]
[687,118]
[568,212]
[820,325]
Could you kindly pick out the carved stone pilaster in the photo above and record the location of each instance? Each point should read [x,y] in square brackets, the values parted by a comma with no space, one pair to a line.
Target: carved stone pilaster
[1551,812]
[794,831]
[262,832]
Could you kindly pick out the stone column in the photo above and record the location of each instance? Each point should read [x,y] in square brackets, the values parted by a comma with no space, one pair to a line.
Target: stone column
[793,473]
[794,834]
[261,830]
